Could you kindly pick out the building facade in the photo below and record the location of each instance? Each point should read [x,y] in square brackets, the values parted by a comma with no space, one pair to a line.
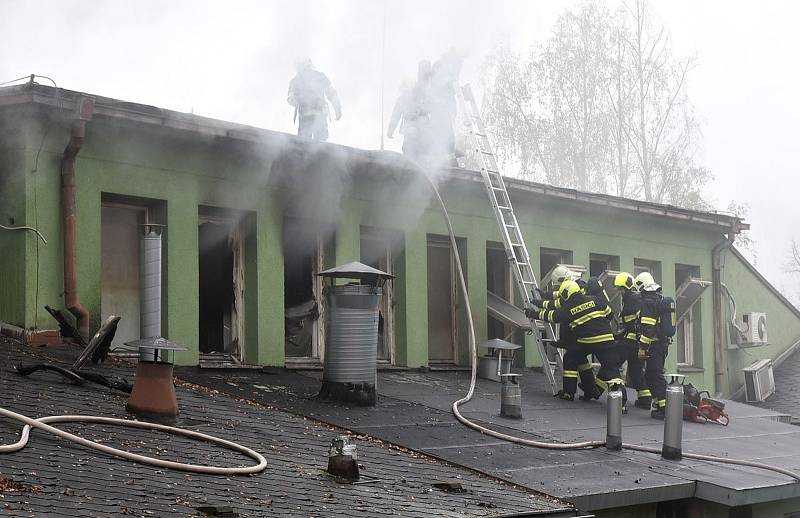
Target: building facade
[251,216]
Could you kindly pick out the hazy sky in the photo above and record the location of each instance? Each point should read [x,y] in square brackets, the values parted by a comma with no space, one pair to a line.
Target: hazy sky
[233,61]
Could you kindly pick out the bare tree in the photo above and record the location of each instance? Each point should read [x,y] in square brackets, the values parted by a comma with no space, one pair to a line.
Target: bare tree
[620,102]
[514,112]
[664,130]
[574,96]
[794,258]
[601,105]
[548,113]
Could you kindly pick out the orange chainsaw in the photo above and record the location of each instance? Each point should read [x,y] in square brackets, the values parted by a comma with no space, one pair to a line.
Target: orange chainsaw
[703,409]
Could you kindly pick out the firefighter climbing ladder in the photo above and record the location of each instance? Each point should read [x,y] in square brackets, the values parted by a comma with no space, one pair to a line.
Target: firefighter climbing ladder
[516,251]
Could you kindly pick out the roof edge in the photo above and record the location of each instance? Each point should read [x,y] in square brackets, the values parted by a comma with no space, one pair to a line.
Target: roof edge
[716,219]
[67,101]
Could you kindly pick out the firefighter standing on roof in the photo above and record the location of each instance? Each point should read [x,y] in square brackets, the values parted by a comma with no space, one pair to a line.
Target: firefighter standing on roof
[412,114]
[310,91]
[566,336]
[587,316]
[656,327]
[628,337]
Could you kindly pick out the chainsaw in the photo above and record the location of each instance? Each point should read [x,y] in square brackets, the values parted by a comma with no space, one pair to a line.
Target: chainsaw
[703,409]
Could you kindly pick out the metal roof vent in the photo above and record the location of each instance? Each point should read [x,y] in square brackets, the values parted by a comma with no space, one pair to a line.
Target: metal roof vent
[350,372]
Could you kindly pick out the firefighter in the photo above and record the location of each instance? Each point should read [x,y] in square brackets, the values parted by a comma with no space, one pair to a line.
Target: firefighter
[412,114]
[628,337]
[560,274]
[310,91]
[566,337]
[652,345]
[587,318]
[444,81]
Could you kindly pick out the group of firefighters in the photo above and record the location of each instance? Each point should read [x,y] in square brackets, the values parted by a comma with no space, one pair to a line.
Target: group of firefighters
[639,335]
[424,113]
[642,330]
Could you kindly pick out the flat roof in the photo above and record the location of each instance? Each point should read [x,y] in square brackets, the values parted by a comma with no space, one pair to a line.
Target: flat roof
[414,411]
[68,101]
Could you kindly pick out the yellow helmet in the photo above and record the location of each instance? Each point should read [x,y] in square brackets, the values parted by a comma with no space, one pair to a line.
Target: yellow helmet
[567,289]
[624,280]
[644,280]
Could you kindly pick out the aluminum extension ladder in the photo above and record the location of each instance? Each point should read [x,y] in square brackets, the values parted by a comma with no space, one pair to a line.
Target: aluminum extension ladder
[516,251]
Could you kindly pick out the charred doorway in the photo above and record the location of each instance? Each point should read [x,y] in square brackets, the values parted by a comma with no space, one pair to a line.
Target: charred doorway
[498,281]
[302,289]
[120,283]
[446,320]
[221,290]
[377,248]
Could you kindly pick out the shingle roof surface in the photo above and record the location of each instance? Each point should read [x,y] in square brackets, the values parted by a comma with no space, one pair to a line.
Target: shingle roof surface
[62,479]
[786,398]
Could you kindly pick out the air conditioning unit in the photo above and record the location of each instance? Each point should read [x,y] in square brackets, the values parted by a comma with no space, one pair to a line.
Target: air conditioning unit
[759,382]
[754,326]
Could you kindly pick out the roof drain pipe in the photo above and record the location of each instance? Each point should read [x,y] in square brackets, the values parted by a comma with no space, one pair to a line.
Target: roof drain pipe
[719,325]
[554,445]
[85,111]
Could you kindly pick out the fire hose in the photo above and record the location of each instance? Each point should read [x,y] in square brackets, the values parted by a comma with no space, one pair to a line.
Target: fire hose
[41,423]
[545,444]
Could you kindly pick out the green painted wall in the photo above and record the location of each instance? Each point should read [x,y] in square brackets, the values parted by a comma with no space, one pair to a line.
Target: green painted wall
[182,171]
[13,244]
[783,324]
[29,197]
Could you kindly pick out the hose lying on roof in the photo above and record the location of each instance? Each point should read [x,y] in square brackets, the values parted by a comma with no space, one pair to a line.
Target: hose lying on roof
[41,423]
[543,444]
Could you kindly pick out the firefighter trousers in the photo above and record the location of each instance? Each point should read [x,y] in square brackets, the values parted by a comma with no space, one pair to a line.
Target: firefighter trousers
[578,363]
[654,372]
[636,379]
[313,125]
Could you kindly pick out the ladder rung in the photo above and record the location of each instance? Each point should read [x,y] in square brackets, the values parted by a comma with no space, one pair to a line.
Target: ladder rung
[515,251]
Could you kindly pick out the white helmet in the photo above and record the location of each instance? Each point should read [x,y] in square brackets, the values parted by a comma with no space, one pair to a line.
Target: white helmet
[643,281]
[560,274]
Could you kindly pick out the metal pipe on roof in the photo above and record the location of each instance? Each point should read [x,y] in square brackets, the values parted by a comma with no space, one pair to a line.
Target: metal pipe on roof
[85,111]
[720,374]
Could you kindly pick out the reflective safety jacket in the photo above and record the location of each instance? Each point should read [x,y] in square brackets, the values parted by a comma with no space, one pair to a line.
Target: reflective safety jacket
[553,301]
[587,317]
[629,315]
[649,318]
